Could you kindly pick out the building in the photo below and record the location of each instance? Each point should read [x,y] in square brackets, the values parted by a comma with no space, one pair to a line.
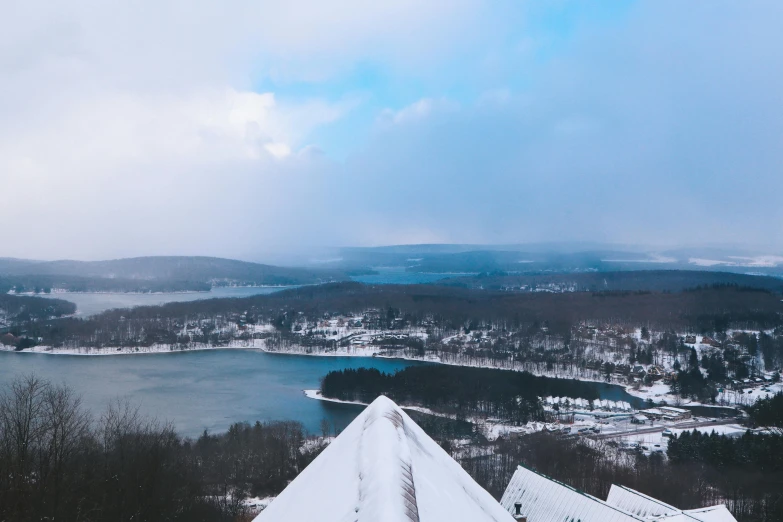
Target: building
[655,373]
[384,468]
[653,413]
[670,413]
[534,497]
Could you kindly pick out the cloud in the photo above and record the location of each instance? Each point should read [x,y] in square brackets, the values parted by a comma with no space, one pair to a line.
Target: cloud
[139,128]
[416,111]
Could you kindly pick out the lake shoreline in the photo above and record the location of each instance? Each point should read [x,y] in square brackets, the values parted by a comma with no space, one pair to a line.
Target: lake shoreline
[656,393]
[260,345]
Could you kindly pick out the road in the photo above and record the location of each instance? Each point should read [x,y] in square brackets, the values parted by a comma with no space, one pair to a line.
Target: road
[661,427]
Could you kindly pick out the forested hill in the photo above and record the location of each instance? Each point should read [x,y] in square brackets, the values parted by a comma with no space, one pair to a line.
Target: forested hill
[17,309]
[704,309]
[617,281]
[196,270]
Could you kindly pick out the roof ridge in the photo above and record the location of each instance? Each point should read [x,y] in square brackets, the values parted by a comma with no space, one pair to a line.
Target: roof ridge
[383,415]
[648,497]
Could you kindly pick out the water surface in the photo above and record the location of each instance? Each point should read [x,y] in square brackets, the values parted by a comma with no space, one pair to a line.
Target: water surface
[399,276]
[91,303]
[211,389]
[202,389]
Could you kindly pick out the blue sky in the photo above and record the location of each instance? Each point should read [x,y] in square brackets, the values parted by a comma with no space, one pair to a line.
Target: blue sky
[248,128]
[521,37]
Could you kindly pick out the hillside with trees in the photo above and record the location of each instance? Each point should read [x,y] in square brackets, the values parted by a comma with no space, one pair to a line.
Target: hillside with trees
[614,281]
[177,270]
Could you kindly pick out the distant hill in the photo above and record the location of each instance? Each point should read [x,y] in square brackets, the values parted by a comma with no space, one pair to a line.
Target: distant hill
[531,259]
[126,273]
[621,281]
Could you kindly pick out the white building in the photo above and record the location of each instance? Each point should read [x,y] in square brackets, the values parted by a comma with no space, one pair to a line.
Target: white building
[534,497]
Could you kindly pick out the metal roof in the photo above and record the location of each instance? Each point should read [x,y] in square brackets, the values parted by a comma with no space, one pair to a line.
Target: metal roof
[717,513]
[546,500]
[637,503]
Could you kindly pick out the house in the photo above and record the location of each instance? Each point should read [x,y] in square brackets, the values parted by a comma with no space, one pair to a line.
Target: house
[690,339]
[534,497]
[639,419]
[638,371]
[656,373]
[384,468]
[710,341]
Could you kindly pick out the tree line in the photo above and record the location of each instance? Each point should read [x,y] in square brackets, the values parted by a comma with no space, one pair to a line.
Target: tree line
[768,411]
[58,462]
[465,392]
[20,309]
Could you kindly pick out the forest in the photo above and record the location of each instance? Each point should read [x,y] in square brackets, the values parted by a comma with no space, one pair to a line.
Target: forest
[465,392]
[59,462]
[700,310]
[614,281]
[27,309]
[768,412]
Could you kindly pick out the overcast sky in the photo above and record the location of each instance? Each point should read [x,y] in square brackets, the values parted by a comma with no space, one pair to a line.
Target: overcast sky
[246,128]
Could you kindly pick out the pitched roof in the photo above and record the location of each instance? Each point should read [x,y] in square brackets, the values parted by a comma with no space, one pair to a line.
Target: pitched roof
[546,500]
[637,503]
[717,513]
[384,468]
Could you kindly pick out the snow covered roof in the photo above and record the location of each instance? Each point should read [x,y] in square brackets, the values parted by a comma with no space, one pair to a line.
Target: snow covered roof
[638,503]
[673,409]
[717,513]
[384,468]
[546,500]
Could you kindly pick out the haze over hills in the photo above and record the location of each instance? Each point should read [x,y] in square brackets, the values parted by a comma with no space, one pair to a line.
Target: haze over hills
[169,273]
[505,263]
[555,257]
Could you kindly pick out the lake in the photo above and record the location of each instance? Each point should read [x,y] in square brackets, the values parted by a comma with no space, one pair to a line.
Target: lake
[399,276]
[202,389]
[89,303]
[211,389]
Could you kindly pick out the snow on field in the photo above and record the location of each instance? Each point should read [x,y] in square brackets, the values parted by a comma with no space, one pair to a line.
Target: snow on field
[384,468]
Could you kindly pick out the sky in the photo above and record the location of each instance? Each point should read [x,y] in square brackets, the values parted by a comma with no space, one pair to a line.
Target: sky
[247,129]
